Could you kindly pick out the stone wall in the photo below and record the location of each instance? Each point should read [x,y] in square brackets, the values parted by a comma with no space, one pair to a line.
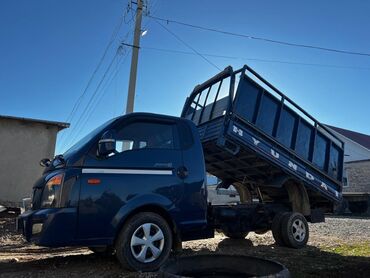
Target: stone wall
[358,173]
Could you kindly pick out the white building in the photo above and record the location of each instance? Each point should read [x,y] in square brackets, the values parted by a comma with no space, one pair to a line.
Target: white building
[356,188]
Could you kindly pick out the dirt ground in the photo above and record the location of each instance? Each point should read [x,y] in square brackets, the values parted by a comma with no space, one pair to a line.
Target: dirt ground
[338,248]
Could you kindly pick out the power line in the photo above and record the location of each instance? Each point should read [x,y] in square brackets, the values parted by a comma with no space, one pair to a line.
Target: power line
[108,84]
[90,106]
[112,38]
[71,135]
[104,90]
[93,95]
[188,46]
[80,98]
[253,59]
[259,38]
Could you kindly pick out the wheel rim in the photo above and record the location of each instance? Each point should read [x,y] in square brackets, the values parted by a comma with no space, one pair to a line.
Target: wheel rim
[147,243]
[299,230]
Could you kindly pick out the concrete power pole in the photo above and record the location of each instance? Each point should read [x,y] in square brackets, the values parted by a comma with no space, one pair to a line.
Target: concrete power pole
[134,58]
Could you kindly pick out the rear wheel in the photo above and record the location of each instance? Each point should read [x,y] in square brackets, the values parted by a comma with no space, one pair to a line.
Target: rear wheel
[294,230]
[144,243]
[276,228]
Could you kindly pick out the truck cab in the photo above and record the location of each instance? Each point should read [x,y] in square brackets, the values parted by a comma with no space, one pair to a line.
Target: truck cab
[140,166]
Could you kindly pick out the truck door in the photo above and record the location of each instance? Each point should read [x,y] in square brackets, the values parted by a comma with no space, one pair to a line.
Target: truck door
[145,163]
[193,205]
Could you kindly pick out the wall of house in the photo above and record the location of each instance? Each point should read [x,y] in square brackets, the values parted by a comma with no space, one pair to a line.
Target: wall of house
[352,150]
[358,175]
[22,145]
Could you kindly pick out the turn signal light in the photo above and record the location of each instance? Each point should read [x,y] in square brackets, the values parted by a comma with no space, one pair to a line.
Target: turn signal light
[93,181]
[56,180]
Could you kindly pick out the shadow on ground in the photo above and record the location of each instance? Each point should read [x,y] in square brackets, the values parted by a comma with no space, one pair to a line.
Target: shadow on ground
[307,262]
[79,262]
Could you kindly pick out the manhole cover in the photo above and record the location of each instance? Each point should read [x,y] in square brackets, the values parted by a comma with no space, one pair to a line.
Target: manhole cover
[222,266]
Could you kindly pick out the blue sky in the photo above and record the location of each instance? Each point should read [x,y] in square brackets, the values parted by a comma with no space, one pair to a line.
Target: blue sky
[49,50]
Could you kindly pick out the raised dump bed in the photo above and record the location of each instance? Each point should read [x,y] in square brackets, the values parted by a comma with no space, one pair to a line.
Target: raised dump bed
[258,139]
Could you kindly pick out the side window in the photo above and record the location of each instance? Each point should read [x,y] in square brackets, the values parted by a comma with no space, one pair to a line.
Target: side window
[124,145]
[145,135]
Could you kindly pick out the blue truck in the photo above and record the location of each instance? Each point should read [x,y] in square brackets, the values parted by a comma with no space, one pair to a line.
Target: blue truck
[135,186]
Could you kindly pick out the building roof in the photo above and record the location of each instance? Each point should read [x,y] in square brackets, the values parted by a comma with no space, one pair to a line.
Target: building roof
[358,161]
[360,138]
[60,125]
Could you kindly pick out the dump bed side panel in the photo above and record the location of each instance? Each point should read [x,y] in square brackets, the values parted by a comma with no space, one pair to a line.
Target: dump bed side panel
[290,164]
[279,121]
[211,129]
[255,134]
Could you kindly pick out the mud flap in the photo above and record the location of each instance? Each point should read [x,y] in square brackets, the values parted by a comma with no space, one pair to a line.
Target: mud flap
[317,216]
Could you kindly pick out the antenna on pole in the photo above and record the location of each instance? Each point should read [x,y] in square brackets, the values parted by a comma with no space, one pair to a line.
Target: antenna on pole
[134,58]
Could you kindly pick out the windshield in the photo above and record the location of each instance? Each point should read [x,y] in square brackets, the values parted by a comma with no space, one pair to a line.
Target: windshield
[88,137]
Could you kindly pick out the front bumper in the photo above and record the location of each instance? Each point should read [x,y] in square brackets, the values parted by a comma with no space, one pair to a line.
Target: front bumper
[51,227]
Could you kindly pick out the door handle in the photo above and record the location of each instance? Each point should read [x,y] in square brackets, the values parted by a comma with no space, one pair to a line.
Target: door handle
[182,172]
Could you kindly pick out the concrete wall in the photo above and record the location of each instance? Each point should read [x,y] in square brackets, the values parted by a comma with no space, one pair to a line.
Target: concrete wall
[22,145]
[358,174]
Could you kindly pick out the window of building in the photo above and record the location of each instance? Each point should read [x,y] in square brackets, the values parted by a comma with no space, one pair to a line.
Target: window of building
[345,178]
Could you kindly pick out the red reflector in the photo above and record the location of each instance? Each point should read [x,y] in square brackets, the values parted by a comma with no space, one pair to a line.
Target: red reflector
[93,181]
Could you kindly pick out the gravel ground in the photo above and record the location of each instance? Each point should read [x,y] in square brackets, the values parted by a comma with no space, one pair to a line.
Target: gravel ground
[340,247]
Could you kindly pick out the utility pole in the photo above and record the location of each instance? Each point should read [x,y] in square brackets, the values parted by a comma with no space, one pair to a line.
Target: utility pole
[134,58]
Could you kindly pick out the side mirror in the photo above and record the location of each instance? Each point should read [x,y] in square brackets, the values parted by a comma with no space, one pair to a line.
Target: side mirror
[45,162]
[107,143]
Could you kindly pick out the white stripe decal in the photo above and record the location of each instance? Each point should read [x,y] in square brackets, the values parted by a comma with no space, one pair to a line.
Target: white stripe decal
[126,171]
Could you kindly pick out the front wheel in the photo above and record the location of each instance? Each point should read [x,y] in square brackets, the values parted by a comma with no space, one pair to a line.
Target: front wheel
[144,242]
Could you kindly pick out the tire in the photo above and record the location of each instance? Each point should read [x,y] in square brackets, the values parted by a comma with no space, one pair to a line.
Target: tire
[135,252]
[235,235]
[103,251]
[294,230]
[276,228]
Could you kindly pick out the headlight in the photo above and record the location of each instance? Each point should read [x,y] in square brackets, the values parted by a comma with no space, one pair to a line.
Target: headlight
[52,191]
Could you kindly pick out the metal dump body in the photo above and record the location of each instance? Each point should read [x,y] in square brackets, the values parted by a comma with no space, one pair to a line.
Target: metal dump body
[255,134]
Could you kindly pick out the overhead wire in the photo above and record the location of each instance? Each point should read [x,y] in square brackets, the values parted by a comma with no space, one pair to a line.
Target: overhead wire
[107,84]
[112,39]
[253,59]
[92,97]
[84,92]
[73,130]
[189,46]
[87,112]
[281,42]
